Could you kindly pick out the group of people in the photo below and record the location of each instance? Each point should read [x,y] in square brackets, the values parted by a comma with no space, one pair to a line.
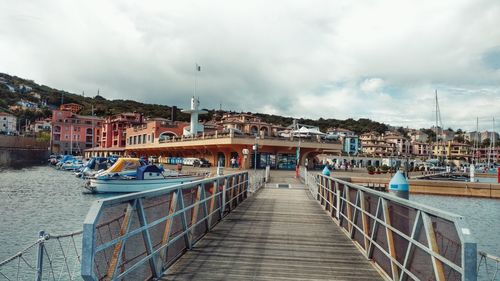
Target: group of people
[235,162]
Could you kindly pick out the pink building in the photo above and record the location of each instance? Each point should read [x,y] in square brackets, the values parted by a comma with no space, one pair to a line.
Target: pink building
[72,133]
[114,129]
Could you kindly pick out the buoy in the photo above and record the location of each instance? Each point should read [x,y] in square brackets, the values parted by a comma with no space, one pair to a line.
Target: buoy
[326,171]
[398,186]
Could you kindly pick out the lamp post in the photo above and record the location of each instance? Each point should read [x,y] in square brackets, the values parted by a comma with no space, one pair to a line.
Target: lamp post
[244,151]
[255,148]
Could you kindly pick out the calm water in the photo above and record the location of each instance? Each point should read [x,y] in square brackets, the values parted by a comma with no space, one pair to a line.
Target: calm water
[39,198]
[42,198]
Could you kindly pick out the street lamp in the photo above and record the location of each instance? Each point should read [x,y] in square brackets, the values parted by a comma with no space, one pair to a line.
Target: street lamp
[255,148]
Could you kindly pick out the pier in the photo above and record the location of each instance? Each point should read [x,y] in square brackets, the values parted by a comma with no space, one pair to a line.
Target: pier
[238,227]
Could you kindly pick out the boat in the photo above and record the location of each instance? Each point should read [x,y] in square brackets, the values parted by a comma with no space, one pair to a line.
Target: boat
[93,166]
[72,164]
[131,175]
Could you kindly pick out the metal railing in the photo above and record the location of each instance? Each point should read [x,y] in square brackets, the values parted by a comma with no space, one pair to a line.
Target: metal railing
[406,240]
[50,257]
[144,233]
[491,265]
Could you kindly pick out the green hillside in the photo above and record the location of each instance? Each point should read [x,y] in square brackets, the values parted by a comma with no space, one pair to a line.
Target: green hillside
[104,107]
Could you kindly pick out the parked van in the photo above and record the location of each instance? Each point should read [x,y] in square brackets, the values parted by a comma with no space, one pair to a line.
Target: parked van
[189,161]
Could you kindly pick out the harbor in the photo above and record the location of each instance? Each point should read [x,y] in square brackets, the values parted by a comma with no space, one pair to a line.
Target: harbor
[250,140]
[58,209]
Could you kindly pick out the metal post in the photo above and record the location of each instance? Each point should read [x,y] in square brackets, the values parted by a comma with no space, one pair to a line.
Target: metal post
[39,257]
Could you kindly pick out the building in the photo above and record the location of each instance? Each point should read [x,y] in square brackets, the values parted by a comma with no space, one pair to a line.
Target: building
[195,127]
[473,137]
[24,104]
[452,150]
[72,107]
[156,130]
[418,136]
[113,133]
[249,124]
[222,145]
[421,149]
[401,144]
[41,125]
[351,145]
[72,133]
[8,123]
[340,132]
[24,89]
[492,136]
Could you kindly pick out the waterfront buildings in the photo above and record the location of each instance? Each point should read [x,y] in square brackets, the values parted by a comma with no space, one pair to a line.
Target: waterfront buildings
[113,134]
[72,133]
[452,150]
[249,124]
[244,137]
[8,123]
[155,130]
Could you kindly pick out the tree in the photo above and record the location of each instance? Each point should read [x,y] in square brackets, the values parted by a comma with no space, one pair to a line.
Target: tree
[485,142]
[459,138]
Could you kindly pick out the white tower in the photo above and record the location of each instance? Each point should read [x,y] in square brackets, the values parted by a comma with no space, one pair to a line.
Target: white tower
[195,127]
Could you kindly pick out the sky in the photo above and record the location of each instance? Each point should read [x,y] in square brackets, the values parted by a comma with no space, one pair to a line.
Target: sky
[381,60]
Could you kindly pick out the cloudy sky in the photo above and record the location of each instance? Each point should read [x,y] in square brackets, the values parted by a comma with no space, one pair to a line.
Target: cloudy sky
[332,59]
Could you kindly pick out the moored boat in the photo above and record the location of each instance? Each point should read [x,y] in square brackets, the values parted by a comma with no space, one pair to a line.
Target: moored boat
[121,178]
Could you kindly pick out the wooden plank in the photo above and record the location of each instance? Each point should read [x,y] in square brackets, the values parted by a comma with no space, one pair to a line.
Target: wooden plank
[168,225]
[390,240]
[215,188]
[195,210]
[433,246]
[364,221]
[118,250]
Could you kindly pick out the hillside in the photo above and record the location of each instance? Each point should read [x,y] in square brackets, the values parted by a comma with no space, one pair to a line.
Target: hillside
[14,89]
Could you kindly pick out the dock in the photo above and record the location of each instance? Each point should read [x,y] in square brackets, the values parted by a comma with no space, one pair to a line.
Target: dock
[278,234]
[240,227]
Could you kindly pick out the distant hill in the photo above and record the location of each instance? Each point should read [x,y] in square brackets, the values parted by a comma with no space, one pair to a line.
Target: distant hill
[14,89]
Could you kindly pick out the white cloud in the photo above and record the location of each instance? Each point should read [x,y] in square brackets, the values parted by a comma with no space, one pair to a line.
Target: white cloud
[376,59]
[372,85]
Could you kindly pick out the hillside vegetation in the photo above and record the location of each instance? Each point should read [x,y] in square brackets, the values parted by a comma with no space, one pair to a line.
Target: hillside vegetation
[104,107]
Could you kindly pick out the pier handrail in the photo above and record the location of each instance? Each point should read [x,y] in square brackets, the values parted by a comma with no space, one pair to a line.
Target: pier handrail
[50,257]
[153,229]
[490,272]
[403,238]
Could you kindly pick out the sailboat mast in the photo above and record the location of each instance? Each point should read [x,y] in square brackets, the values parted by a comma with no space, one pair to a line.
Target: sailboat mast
[477,139]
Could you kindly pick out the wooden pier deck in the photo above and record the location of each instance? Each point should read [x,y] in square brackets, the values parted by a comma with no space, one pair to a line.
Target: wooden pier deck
[277,234]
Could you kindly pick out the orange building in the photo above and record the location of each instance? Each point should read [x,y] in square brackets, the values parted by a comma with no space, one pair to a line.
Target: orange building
[277,152]
[72,107]
[155,130]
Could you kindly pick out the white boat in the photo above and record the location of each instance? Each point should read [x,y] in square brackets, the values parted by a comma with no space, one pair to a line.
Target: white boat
[72,165]
[121,179]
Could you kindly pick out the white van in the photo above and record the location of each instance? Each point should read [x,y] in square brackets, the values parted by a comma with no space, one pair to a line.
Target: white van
[189,161]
